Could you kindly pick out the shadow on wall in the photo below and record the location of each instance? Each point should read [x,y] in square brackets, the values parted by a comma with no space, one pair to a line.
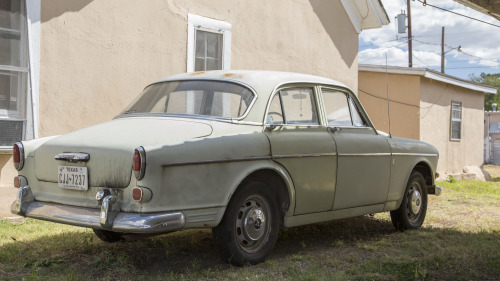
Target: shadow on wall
[55,8]
[331,13]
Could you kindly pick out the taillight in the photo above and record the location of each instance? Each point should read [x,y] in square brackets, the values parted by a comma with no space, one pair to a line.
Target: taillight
[18,155]
[139,163]
[142,194]
[17,182]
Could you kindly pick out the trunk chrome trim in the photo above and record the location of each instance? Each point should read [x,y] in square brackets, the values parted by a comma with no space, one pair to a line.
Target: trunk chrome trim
[73,157]
[216,161]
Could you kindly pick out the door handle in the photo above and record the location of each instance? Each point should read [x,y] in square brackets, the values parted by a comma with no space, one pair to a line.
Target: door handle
[334,129]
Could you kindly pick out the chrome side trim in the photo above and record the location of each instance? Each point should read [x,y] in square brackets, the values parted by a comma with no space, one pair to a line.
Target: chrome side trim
[415,154]
[304,155]
[363,154]
[122,222]
[73,156]
[216,161]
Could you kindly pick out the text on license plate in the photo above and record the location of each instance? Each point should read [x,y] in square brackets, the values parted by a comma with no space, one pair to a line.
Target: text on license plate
[73,177]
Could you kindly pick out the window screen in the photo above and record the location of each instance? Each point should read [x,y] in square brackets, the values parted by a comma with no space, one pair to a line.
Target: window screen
[208,51]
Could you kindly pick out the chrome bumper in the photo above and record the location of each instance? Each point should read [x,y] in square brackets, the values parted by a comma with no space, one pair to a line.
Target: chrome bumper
[104,218]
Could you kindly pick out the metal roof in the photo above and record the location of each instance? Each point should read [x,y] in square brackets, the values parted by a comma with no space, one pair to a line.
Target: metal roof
[431,74]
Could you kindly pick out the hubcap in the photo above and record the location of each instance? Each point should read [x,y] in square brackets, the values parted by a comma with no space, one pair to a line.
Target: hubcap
[253,223]
[415,202]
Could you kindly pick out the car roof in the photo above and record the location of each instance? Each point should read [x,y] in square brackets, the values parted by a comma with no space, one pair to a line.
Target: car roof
[261,81]
[254,78]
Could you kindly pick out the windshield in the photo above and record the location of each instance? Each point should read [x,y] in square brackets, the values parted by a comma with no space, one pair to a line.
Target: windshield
[208,98]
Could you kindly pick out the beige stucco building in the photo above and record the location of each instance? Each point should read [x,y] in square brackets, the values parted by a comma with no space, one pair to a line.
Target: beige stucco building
[66,65]
[426,105]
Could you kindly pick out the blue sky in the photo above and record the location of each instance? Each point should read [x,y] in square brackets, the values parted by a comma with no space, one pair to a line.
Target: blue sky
[480,42]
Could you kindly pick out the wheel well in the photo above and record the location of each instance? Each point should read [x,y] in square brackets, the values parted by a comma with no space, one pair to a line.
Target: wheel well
[276,184]
[425,170]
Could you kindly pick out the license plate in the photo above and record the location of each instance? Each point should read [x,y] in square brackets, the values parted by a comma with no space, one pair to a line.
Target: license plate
[73,177]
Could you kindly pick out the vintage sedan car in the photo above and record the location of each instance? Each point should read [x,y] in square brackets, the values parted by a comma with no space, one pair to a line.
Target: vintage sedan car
[245,153]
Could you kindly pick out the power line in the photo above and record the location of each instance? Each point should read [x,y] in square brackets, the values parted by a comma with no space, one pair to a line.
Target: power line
[377,43]
[395,101]
[449,11]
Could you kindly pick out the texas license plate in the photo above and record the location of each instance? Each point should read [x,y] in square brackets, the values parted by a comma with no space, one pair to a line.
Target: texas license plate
[73,177]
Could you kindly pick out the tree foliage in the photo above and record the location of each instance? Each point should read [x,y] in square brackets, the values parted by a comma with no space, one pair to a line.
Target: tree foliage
[491,80]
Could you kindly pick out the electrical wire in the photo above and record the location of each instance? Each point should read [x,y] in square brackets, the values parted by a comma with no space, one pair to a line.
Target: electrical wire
[449,11]
[395,101]
[377,43]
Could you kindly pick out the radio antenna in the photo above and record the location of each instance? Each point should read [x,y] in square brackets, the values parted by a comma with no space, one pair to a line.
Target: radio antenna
[387,89]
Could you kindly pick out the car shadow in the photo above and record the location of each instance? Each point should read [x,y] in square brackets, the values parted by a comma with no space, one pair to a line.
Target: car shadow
[184,251]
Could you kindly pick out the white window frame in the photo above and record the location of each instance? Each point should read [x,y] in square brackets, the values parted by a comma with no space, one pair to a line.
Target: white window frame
[32,8]
[452,120]
[196,22]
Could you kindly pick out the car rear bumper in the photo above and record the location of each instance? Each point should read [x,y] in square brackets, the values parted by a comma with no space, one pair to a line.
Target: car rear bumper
[104,218]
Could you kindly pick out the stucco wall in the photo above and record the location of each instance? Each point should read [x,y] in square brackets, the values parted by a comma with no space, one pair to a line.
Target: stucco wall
[435,124]
[7,171]
[97,55]
[404,96]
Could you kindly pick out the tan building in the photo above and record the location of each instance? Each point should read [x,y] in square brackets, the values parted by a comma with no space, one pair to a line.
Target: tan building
[65,65]
[426,105]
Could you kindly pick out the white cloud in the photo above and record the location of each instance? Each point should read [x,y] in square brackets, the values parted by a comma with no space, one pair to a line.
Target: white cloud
[478,40]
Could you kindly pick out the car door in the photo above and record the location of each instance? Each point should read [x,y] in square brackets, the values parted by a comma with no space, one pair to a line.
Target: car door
[303,146]
[364,156]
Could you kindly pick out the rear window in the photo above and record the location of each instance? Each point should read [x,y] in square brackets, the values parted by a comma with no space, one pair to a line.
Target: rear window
[205,98]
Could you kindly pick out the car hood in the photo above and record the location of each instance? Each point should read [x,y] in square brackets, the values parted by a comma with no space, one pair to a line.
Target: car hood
[111,146]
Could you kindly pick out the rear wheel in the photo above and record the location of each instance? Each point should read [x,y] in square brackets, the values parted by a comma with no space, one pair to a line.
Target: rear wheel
[411,212]
[250,226]
[108,236]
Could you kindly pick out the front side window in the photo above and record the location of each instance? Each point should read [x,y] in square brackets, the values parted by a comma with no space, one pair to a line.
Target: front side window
[13,71]
[456,120]
[207,98]
[341,110]
[293,106]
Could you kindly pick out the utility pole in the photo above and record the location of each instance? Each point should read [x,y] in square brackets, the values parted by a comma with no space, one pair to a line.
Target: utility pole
[410,38]
[442,49]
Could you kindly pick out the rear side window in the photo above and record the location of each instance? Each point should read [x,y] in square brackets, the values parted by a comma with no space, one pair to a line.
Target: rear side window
[293,106]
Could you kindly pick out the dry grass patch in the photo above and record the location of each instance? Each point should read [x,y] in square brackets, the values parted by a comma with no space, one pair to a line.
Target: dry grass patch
[460,240]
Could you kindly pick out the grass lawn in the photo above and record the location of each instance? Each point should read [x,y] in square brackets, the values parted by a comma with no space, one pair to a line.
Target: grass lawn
[460,240]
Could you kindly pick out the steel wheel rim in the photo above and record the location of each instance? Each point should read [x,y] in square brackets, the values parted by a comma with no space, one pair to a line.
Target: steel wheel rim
[415,202]
[253,224]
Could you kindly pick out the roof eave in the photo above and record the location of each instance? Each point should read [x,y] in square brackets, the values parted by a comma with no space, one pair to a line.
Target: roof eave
[366,14]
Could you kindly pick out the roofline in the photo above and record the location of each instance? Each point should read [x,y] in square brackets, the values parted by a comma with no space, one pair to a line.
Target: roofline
[371,14]
[431,74]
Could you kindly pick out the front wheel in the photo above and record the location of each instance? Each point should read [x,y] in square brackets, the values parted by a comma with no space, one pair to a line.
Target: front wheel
[249,228]
[411,212]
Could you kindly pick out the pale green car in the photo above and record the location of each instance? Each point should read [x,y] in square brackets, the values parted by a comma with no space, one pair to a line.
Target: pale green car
[243,152]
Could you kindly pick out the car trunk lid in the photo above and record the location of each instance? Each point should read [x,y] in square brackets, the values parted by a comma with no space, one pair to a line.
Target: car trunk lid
[111,146]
